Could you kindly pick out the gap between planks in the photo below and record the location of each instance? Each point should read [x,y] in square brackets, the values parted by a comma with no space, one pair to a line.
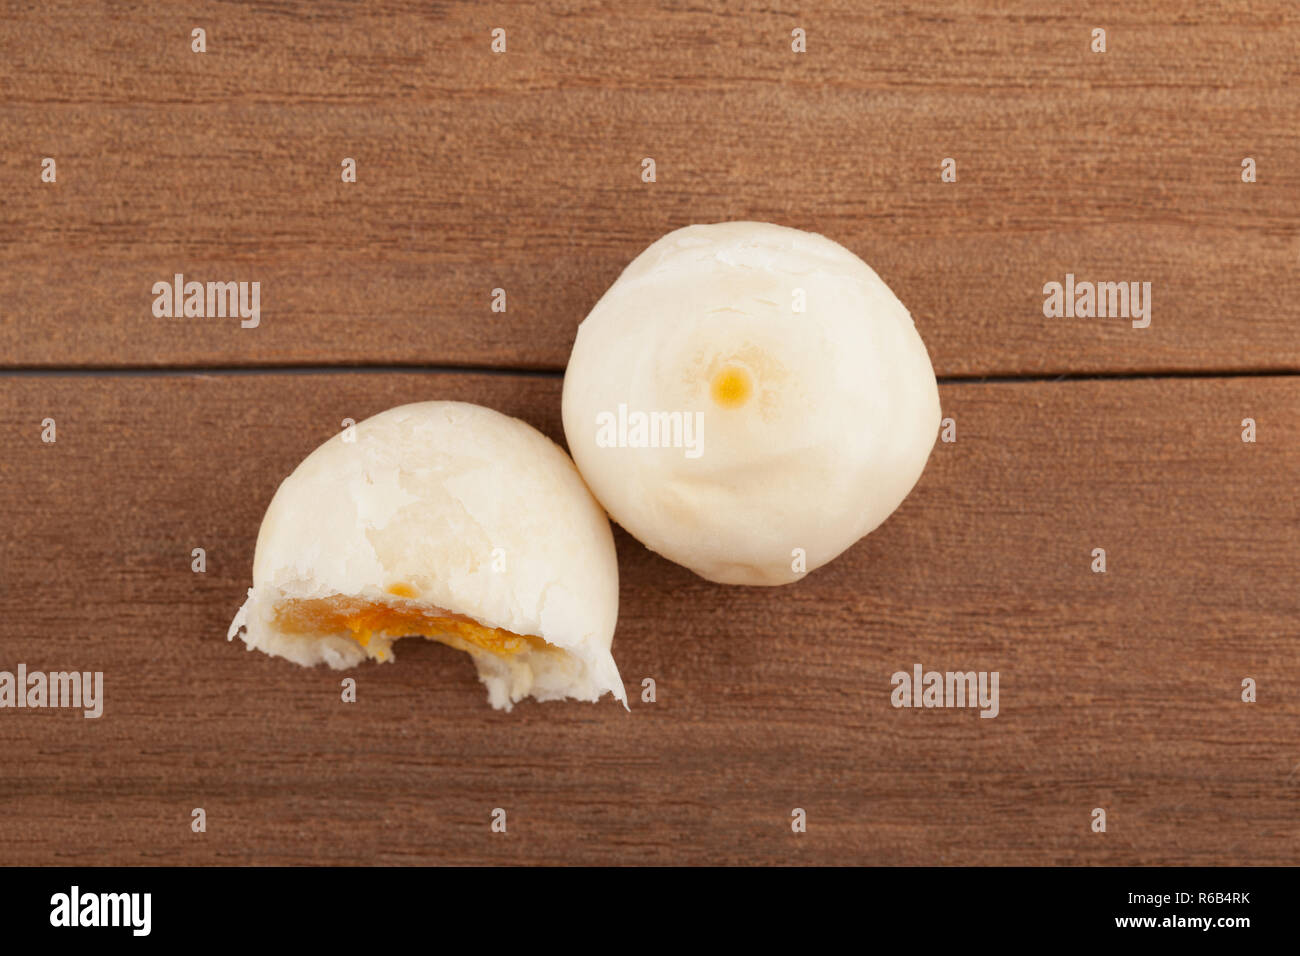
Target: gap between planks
[133,371]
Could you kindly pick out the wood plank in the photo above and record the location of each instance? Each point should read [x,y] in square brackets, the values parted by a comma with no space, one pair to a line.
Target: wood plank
[521,171]
[1118,690]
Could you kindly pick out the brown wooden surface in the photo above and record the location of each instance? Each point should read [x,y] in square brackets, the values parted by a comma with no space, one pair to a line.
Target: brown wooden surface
[1118,690]
[522,171]
[476,171]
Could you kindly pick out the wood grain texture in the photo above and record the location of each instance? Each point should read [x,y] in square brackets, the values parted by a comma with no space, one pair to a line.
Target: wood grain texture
[521,171]
[1118,690]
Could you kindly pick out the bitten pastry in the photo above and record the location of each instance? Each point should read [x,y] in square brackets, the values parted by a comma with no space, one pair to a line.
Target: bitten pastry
[449,521]
[749,400]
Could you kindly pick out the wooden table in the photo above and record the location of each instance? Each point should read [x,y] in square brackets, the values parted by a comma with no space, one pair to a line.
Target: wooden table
[522,171]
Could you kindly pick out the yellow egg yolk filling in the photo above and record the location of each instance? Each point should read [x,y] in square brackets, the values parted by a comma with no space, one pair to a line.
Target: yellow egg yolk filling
[363,620]
[731,387]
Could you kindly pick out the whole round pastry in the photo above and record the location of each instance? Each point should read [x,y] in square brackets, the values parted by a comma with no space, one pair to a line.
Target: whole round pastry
[749,400]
